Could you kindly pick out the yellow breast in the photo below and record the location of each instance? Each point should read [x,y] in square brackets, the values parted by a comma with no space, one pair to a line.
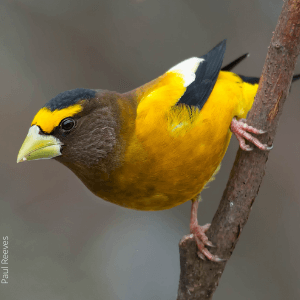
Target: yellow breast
[176,149]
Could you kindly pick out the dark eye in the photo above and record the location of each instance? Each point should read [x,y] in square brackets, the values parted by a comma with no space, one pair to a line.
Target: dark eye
[67,124]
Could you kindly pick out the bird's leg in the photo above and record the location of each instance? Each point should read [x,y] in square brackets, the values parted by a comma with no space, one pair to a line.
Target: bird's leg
[200,236]
[241,130]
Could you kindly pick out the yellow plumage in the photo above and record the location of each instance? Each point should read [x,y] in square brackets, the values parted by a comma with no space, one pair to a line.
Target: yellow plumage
[48,120]
[153,176]
[157,146]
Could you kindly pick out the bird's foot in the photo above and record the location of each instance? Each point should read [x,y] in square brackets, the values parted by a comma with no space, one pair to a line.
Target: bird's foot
[241,130]
[202,241]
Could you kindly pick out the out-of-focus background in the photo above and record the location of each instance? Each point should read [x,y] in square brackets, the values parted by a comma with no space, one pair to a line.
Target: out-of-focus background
[64,243]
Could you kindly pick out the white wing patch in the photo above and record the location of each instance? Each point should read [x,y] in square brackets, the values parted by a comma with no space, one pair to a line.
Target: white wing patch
[187,69]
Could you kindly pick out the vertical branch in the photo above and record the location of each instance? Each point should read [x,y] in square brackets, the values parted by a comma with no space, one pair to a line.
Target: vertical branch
[199,279]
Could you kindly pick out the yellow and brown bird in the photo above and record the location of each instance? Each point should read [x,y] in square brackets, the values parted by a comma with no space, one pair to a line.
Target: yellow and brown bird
[155,147]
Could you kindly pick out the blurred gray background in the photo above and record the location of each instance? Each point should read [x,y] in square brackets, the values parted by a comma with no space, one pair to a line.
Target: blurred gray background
[64,243]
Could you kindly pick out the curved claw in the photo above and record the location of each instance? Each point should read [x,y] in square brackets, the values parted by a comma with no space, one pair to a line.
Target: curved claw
[202,241]
[269,147]
[218,259]
[241,130]
[213,258]
[261,131]
[201,255]
[248,148]
[210,244]
[200,237]
[205,227]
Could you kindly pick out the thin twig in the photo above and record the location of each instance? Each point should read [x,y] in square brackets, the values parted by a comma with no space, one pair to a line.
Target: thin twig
[199,279]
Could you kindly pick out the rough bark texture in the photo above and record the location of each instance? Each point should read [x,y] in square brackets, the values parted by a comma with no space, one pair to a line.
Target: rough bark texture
[199,279]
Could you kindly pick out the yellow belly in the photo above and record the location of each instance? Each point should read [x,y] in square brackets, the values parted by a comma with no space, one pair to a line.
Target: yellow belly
[172,155]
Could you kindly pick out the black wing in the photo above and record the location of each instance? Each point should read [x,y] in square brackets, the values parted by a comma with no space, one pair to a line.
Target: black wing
[207,73]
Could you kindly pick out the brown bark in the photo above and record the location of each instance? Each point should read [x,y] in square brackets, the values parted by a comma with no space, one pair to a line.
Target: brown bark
[199,279]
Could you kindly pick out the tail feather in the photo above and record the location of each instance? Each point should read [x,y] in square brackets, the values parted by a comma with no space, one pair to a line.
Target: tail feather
[254,80]
[296,77]
[231,65]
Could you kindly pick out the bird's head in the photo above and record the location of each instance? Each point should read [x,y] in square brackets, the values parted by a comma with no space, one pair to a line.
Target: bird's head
[77,126]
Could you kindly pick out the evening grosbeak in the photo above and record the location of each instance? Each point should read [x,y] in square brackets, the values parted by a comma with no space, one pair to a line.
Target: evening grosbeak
[157,146]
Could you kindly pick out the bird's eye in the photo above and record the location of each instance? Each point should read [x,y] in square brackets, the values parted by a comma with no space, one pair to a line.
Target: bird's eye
[67,124]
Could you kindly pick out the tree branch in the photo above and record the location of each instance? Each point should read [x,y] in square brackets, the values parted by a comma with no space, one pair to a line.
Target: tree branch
[199,279]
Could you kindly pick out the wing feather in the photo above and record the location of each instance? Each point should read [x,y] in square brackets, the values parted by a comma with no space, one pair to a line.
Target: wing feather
[206,76]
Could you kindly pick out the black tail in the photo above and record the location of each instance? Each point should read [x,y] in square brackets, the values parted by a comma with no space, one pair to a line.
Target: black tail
[230,66]
[252,80]
[296,77]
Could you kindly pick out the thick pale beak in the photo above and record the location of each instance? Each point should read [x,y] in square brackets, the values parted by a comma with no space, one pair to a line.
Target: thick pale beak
[38,146]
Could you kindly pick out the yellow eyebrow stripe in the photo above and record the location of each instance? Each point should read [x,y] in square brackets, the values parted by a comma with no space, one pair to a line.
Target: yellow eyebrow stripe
[47,120]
